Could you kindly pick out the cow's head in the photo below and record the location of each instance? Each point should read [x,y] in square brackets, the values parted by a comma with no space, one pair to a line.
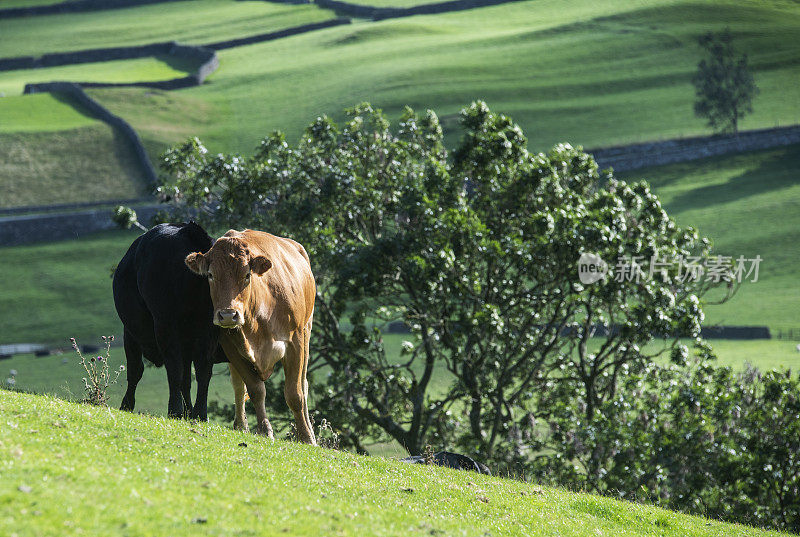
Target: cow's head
[229,266]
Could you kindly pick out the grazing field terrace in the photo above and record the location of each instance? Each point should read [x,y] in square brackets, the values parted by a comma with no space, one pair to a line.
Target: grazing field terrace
[98,471]
[192,22]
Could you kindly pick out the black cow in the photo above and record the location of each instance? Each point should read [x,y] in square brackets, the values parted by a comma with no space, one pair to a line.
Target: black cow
[450,460]
[166,310]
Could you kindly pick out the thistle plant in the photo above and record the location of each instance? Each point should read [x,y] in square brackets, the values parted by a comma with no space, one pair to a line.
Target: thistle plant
[99,375]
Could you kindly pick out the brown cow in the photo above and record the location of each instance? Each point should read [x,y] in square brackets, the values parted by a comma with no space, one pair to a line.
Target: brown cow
[263,293]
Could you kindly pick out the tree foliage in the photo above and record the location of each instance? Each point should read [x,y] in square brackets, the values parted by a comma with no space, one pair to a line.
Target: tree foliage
[510,357]
[724,84]
[476,252]
[697,438]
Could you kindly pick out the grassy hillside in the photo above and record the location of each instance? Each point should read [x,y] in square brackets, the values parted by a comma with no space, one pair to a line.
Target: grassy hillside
[122,71]
[192,21]
[68,286]
[27,3]
[589,72]
[78,469]
[91,163]
[174,116]
[60,375]
[43,112]
[749,204]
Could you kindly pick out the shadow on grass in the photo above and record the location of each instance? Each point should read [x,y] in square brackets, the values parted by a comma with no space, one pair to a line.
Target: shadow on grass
[69,100]
[183,64]
[776,170]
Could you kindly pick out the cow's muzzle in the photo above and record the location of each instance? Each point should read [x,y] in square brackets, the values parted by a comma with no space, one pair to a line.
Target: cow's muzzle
[229,318]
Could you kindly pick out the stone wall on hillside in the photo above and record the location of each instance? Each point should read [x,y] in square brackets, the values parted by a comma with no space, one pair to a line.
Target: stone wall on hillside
[61,226]
[635,156]
[220,45]
[380,13]
[205,57]
[65,207]
[76,92]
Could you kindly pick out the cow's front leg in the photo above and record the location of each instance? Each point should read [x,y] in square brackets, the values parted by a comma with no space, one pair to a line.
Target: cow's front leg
[240,416]
[258,395]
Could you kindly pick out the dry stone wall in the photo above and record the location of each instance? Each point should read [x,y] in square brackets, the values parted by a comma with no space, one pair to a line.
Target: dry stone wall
[380,13]
[635,156]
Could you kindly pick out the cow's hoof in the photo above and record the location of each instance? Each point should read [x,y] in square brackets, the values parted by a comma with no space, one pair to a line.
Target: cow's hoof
[199,416]
[241,426]
[265,429]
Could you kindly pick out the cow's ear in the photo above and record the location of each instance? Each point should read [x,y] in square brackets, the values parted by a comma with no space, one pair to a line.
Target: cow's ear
[260,264]
[197,263]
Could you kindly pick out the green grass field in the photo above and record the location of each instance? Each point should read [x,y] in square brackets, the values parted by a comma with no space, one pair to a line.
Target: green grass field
[76,469]
[43,112]
[91,163]
[26,3]
[60,375]
[748,204]
[591,73]
[190,22]
[65,286]
[121,71]
[525,58]
[195,114]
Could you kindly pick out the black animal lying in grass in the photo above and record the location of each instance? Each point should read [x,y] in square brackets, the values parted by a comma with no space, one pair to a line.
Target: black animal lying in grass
[166,310]
[450,460]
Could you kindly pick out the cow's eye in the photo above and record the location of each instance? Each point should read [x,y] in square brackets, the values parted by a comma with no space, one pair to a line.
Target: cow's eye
[210,276]
[247,277]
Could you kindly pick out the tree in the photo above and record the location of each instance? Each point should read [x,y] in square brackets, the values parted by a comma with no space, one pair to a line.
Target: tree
[724,84]
[697,438]
[476,252]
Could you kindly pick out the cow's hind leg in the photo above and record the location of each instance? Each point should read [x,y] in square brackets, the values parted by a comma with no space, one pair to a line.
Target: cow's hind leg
[173,353]
[135,369]
[295,388]
[240,416]
[174,367]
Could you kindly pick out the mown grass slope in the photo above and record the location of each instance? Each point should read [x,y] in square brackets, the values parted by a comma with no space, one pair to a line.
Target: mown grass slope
[121,71]
[92,163]
[61,375]
[27,3]
[42,112]
[595,73]
[65,288]
[748,204]
[70,469]
[192,22]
